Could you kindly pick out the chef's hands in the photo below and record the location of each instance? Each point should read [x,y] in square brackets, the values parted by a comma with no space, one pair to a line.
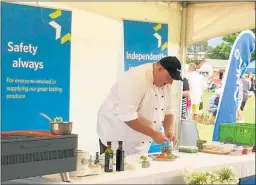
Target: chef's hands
[171,137]
[159,137]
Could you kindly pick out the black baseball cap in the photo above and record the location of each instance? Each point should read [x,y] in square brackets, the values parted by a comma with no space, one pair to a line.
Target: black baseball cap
[173,66]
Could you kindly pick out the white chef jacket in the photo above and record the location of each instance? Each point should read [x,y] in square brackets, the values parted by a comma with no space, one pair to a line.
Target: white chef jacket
[134,95]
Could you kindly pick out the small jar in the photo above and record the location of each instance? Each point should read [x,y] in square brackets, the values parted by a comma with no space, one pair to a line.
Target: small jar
[200,143]
[245,151]
[167,150]
[250,150]
[236,151]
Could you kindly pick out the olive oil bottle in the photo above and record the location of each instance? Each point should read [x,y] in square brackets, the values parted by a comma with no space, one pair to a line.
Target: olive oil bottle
[108,167]
[120,157]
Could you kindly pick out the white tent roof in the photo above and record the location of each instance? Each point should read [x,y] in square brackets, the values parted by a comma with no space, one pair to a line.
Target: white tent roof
[206,20]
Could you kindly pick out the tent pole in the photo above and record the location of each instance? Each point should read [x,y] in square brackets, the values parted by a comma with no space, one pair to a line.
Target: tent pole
[183,49]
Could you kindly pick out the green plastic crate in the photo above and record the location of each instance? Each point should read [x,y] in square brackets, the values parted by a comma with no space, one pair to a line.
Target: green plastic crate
[245,134]
[238,133]
[227,133]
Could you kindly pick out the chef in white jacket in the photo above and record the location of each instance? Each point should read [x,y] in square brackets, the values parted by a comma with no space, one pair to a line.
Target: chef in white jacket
[138,105]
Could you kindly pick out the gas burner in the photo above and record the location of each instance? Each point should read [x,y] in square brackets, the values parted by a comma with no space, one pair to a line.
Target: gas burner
[30,149]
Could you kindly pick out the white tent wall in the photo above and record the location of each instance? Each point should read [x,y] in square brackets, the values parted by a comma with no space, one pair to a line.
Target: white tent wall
[97,45]
[212,19]
[97,54]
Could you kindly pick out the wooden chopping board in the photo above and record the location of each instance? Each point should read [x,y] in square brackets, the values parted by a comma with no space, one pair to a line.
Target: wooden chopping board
[214,152]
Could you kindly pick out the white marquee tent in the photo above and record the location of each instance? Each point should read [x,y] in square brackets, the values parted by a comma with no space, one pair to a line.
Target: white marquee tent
[97,38]
[206,20]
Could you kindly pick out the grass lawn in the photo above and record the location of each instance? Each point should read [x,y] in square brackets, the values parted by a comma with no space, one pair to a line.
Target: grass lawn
[205,131]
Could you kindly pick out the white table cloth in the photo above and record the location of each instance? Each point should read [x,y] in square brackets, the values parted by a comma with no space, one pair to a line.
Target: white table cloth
[160,172]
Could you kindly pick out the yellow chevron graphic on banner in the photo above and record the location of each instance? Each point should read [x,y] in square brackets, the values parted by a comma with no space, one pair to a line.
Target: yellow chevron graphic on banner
[158,27]
[164,46]
[65,38]
[55,14]
[58,119]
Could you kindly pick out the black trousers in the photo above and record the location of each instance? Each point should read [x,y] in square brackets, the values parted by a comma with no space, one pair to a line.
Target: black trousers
[242,105]
[102,147]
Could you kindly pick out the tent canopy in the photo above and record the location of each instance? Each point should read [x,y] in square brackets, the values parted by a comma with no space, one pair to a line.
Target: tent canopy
[206,20]
[203,19]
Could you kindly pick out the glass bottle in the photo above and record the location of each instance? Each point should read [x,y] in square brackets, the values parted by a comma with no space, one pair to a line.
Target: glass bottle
[120,157]
[97,159]
[108,167]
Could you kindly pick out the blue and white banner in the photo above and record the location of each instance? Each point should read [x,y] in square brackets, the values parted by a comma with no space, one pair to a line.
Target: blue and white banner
[144,42]
[35,69]
[239,60]
[251,67]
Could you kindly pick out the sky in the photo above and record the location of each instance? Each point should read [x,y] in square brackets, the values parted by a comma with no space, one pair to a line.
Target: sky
[214,41]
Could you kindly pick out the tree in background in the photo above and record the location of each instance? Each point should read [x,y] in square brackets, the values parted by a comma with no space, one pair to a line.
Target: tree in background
[222,51]
[254,53]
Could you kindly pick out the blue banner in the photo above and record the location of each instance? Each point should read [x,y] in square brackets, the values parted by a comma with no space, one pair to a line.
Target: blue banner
[144,42]
[251,67]
[239,60]
[35,69]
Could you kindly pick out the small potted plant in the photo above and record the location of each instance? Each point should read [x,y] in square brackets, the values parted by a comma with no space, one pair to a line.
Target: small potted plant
[227,176]
[196,177]
[200,143]
[223,176]
[145,162]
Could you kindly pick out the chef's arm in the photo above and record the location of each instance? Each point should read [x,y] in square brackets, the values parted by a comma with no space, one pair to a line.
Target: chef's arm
[141,127]
[131,90]
[169,124]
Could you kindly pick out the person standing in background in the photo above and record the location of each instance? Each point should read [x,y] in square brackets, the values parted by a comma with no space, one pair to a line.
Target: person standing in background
[253,85]
[185,104]
[197,85]
[246,88]
[240,99]
[185,99]
[253,89]
[213,103]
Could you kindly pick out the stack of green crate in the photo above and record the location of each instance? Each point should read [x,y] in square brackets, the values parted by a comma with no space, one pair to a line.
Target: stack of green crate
[238,133]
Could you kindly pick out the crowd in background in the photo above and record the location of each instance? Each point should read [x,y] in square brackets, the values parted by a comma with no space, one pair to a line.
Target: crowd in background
[246,86]
[194,85]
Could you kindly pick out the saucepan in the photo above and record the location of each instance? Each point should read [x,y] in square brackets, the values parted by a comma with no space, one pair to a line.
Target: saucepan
[58,126]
